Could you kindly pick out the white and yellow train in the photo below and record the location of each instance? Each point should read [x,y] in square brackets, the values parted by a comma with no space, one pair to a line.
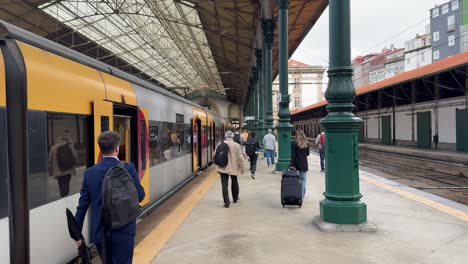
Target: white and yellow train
[71,96]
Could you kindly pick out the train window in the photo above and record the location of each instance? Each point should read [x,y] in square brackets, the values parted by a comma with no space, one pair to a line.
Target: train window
[3,165]
[59,150]
[168,141]
[179,118]
[68,153]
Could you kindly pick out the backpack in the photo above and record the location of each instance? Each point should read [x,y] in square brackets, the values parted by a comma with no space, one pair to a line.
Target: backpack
[237,138]
[250,147]
[65,157]
[322,140]
[221,157]
[120,204]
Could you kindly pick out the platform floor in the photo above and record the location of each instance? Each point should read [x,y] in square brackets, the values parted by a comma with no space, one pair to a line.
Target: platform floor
[413,227]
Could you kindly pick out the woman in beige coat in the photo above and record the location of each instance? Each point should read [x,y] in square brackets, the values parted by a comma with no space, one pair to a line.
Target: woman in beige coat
[234,167]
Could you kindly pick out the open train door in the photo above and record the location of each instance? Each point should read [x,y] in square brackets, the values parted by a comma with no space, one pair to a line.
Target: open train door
[143,152]
[103,121]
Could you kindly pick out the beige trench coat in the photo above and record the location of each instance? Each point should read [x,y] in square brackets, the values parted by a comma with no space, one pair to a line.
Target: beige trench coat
[236,159]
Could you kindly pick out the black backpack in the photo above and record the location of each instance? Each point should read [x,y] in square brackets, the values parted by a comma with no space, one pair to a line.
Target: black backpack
[237,138]
[65,157]
[221,157]
[120,204]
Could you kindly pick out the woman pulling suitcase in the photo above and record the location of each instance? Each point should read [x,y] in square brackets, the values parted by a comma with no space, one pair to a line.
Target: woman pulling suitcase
[299,152]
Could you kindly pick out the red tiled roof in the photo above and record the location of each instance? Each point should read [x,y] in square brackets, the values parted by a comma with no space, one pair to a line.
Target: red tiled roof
[295,63]
[430,69]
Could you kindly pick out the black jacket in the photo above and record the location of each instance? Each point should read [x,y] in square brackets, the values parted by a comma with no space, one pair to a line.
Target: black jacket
[299,157]
[251,145]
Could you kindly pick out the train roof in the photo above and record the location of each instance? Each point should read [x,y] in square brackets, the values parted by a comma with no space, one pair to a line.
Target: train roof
[8,30]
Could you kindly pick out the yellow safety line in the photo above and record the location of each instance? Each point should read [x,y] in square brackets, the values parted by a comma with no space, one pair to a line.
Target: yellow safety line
[147,250]
[438,206]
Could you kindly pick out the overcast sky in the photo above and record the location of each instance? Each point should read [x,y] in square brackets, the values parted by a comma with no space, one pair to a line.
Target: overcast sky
[374,25]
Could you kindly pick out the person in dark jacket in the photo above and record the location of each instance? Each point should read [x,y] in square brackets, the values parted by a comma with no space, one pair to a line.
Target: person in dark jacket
[299,152]
[252,148]
[120,247]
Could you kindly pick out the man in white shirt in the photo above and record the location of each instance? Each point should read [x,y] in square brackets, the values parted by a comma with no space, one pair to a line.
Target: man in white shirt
[269,144]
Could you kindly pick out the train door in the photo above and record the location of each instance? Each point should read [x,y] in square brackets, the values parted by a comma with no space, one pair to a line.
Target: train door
[462,129]
[424,129]
[196,144]
[214,137]
[143,152]
[130,123]
[103,121]
[386,130]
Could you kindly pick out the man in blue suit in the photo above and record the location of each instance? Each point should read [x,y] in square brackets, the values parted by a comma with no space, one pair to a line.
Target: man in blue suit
[119,248]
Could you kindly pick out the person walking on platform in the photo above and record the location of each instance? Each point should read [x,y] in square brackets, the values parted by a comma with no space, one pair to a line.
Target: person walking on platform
[238,137]
[233,167]
[269,144]
[320,140]
[252,148]
[113,236]
[299,152]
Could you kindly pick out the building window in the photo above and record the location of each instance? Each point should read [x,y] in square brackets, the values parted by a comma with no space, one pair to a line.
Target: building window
[408,60]
[422,56]
[451,23]
[451,40]
[297,102]
[436,36]
[455,5]
[435,12]
[436,55]
[445,9]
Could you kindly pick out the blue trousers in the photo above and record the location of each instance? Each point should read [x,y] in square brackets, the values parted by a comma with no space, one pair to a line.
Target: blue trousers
[303,177]
[270,156]
[119,250]
[322,158]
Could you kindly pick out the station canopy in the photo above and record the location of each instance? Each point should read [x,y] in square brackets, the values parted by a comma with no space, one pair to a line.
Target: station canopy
[191,47]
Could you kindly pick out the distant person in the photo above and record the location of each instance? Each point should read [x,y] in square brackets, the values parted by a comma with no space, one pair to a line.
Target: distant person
[299,152]
[320,140]
[62,162]
[269,144]
[116,234]
[245,135]
[252,147]
[234,165]
[237,137]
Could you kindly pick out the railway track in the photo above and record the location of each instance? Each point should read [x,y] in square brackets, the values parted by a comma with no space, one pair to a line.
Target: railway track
[450,186]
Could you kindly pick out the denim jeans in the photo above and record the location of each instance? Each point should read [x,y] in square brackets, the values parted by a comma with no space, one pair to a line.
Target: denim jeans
[270,156]
[322,158]
[303,177]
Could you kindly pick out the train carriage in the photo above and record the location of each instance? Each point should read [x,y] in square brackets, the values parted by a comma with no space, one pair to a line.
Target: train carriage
[73,98]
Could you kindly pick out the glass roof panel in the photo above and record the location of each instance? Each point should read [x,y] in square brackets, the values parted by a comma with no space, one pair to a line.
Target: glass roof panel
[164,39]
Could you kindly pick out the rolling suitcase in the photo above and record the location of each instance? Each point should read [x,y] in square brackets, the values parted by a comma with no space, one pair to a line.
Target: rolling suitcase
[291,188]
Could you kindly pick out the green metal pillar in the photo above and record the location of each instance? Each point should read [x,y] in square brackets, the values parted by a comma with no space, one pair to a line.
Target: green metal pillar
[254,99]
[268,26]
[342,204]
[284,125]
[259,88]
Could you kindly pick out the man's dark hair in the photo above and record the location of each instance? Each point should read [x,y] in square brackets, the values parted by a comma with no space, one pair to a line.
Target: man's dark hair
[252,134]
[108,141]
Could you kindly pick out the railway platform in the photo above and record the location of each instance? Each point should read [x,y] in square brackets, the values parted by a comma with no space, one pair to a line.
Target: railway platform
[193,227]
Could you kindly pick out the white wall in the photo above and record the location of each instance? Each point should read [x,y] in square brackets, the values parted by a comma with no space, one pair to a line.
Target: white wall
[373,127]
[403,128]
[447,121]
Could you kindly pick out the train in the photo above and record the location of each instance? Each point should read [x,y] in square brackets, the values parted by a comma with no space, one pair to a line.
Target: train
[73,98]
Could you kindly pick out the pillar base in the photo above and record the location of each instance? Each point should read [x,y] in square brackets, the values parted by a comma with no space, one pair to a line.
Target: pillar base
[343,212]
[282,165]
[335,228]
